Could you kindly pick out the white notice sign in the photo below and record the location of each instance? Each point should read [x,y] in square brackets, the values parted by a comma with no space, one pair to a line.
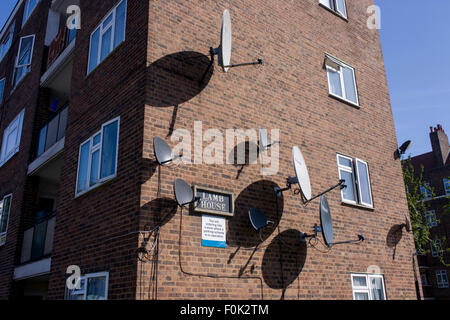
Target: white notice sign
[214,232]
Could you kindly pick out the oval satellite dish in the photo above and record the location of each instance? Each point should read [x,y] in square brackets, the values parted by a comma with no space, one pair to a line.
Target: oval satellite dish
[183,192]
[257,218]
[326,221]
[225,41]
[301,171]
[163,153]
[407,224]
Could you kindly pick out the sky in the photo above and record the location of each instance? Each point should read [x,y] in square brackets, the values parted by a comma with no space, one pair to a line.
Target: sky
[415,37]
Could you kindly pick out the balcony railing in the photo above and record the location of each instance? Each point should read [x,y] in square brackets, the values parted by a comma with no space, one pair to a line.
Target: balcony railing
[38,240]
[52,132]
[60,43]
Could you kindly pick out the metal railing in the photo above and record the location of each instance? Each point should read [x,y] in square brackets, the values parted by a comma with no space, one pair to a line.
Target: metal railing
[52,132]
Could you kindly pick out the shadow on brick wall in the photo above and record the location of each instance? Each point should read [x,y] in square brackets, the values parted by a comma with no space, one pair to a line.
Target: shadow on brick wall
[393,237]
[283,260]
[243,155]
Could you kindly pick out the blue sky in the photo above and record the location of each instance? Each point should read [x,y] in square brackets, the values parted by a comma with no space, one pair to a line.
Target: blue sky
[415,36]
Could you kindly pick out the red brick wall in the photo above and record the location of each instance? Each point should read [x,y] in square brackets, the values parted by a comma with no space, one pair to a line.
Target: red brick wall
[290,93]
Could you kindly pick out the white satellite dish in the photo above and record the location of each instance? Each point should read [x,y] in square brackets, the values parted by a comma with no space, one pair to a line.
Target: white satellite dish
[301,171]
[225,41]
[264,142]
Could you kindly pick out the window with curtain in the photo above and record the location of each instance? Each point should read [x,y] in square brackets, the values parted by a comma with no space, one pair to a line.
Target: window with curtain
[97,161]
[11,139]
[341,80]
[24,59]
[5,209]
[368,287]
[108,35]
[30,5]
[337,6]
[357,189]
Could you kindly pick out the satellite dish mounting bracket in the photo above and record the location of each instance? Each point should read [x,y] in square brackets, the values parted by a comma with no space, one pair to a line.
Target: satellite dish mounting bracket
[289,182]
[304,236]
[340,184]
[360,239]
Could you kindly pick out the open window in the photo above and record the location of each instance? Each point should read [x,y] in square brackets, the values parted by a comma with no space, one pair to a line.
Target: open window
[11,139]
[338,6]
[24,59]
[341,80]
[30,5]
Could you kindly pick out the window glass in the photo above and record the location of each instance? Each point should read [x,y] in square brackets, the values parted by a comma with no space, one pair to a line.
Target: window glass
[106,44]
[335,82]
[349,83]
[363,183]
[109,149]
[446,185]
[119,35]
[359,282]
[5,210]
[83,167]
[2,89]
[348,193]
[376,287]
[29,7]
[94,168]
[96,288]
[93,55]
[340,7]
[11,138]
[361,296]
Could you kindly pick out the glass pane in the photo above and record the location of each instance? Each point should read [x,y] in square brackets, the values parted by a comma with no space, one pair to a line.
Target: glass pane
[119,31]
[107,20]
[350,90]
[109,150]
[96,289]
[25,51]
[5,214]
[348,193]
[52,132]
[94,168]
[72,33]
[83,167]
[345,162]
[96,139]
[335,82]
[2,88]
[359,282]
[93,55]
[106,44]
[361,296]
[340,7]
[11,141]
[62,123]
[364,186]
[41,143]
[376,287]
[37,250]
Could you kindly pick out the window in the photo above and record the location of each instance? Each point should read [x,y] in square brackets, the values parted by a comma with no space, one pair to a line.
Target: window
[11,139]
[426,191]
[93,287]
[442,279]
[5,209]
[6,42]
[108,35]
[424,278]
[355,172]
[97,161]
[341,80]
[2,89]
[337,6]
[446,186]
[30,5]
[368,287]
[436,248]
[23,60]
[431,218]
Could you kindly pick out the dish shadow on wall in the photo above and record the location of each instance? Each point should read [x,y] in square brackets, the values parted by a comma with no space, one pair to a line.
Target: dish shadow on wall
[393,237]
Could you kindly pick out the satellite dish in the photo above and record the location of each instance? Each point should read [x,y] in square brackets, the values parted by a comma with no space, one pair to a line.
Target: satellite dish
[183,193]
[258,219]
[301,172]
[407,224]
[264,142]
[225,42]
[326,226]
[402,149]
[225,48]
[163,153]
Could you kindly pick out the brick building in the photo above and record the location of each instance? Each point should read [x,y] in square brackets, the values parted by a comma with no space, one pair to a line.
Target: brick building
[80,109]
[436,174]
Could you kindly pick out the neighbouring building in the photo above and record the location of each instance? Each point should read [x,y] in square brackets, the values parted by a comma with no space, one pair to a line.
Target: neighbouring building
[436,174]
[79,186]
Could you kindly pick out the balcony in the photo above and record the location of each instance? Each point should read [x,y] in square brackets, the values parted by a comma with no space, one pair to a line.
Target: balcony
[62,5]
[47,161]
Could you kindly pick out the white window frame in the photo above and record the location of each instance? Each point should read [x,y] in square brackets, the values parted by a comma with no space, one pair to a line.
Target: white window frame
[6,42]
[84,285]
[102,30]
[2,89]
[2,209]
[446,182]
[93,149]
[436,248]
[356,184]
[442,284]
[15,80]
[367,288]
[17,123]
[431,218]
[27,12]
[329,61]
[331,4]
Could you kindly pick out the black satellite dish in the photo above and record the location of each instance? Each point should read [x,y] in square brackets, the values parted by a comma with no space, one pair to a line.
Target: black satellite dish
[183,193]
[326,226]
[225,47]
[302,178]
[402,149]
[163,152]
[258,219]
